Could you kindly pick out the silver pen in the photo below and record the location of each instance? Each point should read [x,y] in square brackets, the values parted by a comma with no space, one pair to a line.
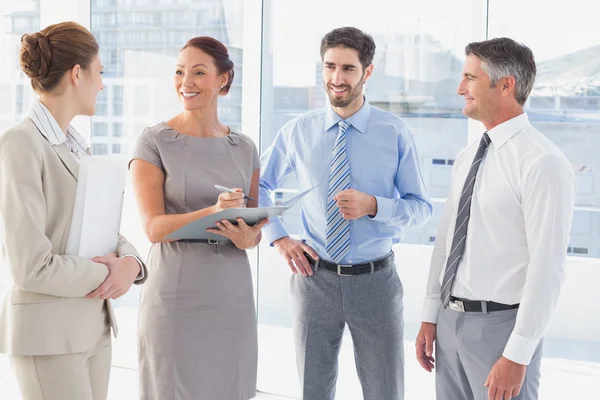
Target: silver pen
[225,189]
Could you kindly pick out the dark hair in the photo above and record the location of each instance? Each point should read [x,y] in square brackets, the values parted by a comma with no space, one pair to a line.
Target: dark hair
[46,55]
[218,52]
[502,57]
[351,38]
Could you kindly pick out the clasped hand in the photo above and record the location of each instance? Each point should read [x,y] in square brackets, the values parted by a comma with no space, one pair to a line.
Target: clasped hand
[122,272]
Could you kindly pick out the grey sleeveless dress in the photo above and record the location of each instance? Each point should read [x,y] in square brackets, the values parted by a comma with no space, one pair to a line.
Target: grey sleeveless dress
[197,323]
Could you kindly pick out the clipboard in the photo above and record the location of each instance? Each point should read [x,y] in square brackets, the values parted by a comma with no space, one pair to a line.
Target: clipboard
[98,207]
[197,229]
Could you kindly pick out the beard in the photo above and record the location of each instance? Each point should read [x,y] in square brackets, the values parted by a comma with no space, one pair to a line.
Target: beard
[353,93]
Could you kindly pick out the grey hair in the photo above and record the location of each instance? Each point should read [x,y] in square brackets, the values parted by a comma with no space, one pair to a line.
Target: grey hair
[502,57]
[351,38]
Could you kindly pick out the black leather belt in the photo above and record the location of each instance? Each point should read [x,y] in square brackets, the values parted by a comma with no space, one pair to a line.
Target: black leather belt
[208,241]
[354,269]
[463,305]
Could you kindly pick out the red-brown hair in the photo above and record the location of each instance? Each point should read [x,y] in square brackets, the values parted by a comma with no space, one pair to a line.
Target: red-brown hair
[219,54]
[46,55]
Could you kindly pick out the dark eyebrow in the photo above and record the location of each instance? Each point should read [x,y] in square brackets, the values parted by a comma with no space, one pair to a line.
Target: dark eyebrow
[194,66]
[469,75]
[343,65]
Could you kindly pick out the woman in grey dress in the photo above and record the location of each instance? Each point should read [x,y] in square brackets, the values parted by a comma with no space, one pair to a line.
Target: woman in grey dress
[197,324]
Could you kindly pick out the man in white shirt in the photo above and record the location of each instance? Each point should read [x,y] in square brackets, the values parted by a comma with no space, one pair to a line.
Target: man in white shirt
[491,290]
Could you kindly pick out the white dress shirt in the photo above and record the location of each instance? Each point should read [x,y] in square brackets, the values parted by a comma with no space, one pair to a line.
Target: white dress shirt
[51,130]
[518,233]
[48,127]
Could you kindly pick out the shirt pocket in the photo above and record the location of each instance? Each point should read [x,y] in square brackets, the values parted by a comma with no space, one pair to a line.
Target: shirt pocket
[376,179]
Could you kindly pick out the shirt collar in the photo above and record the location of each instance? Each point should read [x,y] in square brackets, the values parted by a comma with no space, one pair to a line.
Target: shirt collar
[502,133]
[358,120]
[46,123]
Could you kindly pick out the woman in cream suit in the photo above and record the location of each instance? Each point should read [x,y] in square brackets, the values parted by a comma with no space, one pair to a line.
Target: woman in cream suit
[56,317]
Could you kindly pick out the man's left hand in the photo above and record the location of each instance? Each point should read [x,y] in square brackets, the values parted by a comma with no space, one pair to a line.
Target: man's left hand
[354,204]
[505,379]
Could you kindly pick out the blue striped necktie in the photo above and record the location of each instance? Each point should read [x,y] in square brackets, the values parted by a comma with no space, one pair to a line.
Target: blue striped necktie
[462,222]
[337,236]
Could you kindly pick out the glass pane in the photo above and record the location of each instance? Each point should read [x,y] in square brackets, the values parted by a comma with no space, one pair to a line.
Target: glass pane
[139,42]
[565,106]
[15,90]
[565,102]
[418,63]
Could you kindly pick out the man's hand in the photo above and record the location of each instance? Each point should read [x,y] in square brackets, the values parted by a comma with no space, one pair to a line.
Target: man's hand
[354,204]
[293,252]
[505,379]
[122,274]
[424,346]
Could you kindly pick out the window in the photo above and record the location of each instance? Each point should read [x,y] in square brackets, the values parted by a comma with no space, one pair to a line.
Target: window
[418,62]
[138,93]
[117,89]
[117,129]
[117,109]
[99,129]
[564,107]
[565,102]
[101,109]
[577,250]
[99,148]
[418,65]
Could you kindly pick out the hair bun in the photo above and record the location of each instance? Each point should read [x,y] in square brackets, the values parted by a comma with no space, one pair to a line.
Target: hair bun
[35,55]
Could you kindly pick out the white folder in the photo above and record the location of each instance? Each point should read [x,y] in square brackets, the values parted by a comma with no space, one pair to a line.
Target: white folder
[98,206]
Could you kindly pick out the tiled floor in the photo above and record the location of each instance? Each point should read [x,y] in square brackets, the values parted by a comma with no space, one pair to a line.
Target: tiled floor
[561,378]
[123,385]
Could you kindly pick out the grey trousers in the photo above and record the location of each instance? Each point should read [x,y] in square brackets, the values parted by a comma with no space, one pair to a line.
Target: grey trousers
[466,348]
[371,305]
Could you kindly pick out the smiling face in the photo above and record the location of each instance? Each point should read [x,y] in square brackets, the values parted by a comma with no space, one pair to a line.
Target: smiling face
[343,76]
[481,98]
[197,79]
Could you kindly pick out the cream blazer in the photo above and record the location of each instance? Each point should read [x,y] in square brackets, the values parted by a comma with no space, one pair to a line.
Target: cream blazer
[45,311]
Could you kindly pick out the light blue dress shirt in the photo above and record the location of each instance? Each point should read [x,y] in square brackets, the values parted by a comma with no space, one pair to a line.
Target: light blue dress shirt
[383,163]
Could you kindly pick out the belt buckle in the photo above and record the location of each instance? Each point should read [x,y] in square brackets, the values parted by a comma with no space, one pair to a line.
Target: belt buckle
[457,305]
[339,269]
[211,241]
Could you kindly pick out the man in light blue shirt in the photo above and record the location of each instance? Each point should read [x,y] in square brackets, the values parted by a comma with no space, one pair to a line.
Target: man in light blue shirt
[370,188]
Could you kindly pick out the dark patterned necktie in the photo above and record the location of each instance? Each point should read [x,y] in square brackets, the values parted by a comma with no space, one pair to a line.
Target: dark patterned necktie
[462,222]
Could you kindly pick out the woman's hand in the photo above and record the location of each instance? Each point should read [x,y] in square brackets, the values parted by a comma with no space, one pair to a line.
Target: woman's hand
[242,235]
[122,274]
[230,200]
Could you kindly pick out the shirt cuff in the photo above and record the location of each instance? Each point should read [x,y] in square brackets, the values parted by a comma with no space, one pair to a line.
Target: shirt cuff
[520,349]
[385,208]
[431,309]
[141,275]
[274,230]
